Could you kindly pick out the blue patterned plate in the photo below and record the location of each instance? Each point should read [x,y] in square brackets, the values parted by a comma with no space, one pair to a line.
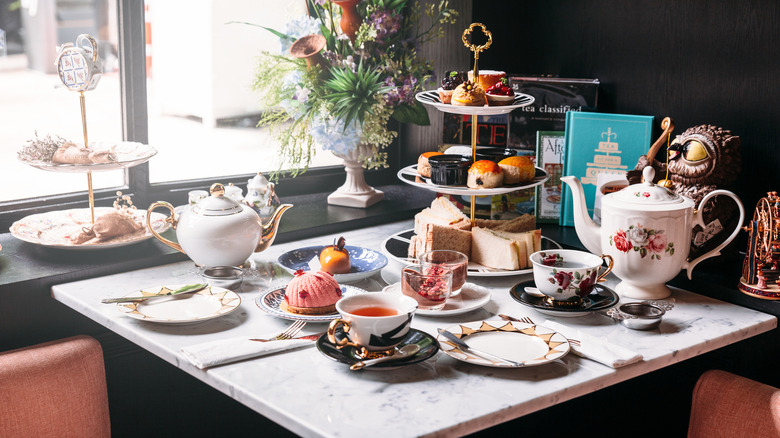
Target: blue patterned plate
[365,262]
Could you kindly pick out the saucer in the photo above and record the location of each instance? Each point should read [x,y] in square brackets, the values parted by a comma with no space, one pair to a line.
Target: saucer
[349,355]
[601,298]
[469,299]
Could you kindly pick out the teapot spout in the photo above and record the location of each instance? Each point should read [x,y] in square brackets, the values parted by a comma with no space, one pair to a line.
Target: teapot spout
[271,228]
[587,230]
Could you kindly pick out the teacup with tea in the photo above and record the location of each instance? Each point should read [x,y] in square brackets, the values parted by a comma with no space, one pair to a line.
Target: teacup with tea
[567,276]
[374,322]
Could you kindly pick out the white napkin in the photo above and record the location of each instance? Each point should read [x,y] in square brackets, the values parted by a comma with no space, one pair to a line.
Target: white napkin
[224,351]
[598,349]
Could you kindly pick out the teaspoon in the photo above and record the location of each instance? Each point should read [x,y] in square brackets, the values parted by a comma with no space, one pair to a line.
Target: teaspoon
[400,353]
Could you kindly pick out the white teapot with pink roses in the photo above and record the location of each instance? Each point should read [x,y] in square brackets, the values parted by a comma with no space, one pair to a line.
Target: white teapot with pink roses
[647,230]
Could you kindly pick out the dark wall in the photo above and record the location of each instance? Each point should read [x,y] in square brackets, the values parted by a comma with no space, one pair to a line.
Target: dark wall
[698,62]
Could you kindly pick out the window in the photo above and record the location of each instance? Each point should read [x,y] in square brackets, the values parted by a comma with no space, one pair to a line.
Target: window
[194,105]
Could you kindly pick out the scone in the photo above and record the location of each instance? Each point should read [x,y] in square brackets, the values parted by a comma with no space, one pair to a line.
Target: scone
[468,94]
[311,293]
[517,169]
[423,166]
[485,174]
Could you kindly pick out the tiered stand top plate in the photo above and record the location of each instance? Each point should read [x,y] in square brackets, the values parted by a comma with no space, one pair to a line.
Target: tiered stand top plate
[128,154]
[432,98]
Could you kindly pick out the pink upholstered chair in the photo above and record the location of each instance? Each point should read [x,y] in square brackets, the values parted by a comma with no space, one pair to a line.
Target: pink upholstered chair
[53,389]
[726,405]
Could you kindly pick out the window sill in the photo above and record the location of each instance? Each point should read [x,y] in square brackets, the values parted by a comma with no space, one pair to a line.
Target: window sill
[23,265]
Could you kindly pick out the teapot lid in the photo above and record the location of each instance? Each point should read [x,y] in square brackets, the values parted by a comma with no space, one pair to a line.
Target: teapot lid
[259,182]
[217,204]
[647,192]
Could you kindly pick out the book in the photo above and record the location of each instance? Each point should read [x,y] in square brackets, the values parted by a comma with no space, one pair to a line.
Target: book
[597,143]
[491,130]
[549,156]
[553,98]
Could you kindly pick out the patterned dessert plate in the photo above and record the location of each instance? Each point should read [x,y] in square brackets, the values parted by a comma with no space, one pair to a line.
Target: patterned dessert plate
[270,301]
[525,344]
[211,302]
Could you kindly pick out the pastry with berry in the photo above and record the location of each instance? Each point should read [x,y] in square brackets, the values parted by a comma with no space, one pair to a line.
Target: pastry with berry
[448,85]
[500,94]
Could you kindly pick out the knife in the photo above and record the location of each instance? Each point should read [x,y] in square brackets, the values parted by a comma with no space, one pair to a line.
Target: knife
[485,355]
[184,290]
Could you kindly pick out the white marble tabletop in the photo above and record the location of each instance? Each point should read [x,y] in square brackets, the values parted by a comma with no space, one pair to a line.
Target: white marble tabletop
[399,402]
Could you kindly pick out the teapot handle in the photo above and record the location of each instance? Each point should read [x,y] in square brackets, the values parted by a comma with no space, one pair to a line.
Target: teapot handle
[698,219]
[170,219]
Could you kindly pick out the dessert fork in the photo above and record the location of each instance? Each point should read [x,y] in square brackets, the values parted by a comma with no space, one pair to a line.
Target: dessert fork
[291,331]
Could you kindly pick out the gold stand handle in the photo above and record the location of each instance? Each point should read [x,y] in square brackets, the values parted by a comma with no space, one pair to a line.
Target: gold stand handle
[170,219]
[332,334]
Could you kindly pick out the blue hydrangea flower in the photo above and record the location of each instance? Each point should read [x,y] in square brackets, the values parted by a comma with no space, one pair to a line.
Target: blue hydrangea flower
[297,28]
[331,136]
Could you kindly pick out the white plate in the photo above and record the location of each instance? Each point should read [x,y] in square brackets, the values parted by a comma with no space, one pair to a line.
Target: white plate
[271,300]
[409,175]
[527,344]
[396,248]
[54,229]
[467,300]
[364,262]
[211,302]
[128,154]
[432,98]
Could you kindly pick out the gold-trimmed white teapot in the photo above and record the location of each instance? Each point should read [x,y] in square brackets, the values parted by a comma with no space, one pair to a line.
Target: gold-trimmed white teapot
[646,228]
[218,231]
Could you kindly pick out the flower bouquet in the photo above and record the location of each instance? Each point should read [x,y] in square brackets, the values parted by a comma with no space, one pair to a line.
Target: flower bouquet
[345,71]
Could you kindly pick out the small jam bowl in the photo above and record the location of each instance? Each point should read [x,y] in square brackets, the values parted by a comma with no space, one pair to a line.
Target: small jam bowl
[449,170]
[494,154]
[228,277]
[641,316]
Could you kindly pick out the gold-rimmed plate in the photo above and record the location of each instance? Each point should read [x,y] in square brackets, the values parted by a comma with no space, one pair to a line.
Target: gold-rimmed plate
[212,302]
[128,154]
[55,229]
[525,344]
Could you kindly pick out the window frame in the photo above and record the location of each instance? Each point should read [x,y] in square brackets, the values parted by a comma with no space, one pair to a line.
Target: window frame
[132,73]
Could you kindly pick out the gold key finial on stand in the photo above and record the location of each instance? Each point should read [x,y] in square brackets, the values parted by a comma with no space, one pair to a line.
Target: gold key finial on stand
[476,49]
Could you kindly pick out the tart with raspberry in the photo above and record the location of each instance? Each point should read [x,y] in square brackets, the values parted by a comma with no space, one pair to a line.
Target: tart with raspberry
[500,94]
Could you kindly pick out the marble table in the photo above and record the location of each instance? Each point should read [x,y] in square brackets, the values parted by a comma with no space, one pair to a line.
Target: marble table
[441,396]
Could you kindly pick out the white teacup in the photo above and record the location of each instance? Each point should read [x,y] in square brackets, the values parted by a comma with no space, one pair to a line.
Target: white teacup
[565,274]
[376,321]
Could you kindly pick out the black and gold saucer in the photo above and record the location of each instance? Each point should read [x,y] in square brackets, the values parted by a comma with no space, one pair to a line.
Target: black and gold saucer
[602,298]
[351,355]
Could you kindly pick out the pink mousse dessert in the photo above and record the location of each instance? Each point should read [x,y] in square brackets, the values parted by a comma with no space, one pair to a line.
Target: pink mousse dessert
[311,293]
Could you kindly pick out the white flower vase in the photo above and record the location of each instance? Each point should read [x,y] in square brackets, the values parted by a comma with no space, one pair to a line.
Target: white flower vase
[355,192]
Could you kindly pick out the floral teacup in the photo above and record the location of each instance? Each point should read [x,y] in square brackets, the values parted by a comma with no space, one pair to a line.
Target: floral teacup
[568,275]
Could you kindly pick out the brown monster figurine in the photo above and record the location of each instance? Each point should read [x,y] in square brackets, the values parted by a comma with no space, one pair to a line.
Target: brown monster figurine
[701,159]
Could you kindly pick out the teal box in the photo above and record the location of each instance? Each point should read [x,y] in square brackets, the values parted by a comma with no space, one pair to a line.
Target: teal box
[597,143]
